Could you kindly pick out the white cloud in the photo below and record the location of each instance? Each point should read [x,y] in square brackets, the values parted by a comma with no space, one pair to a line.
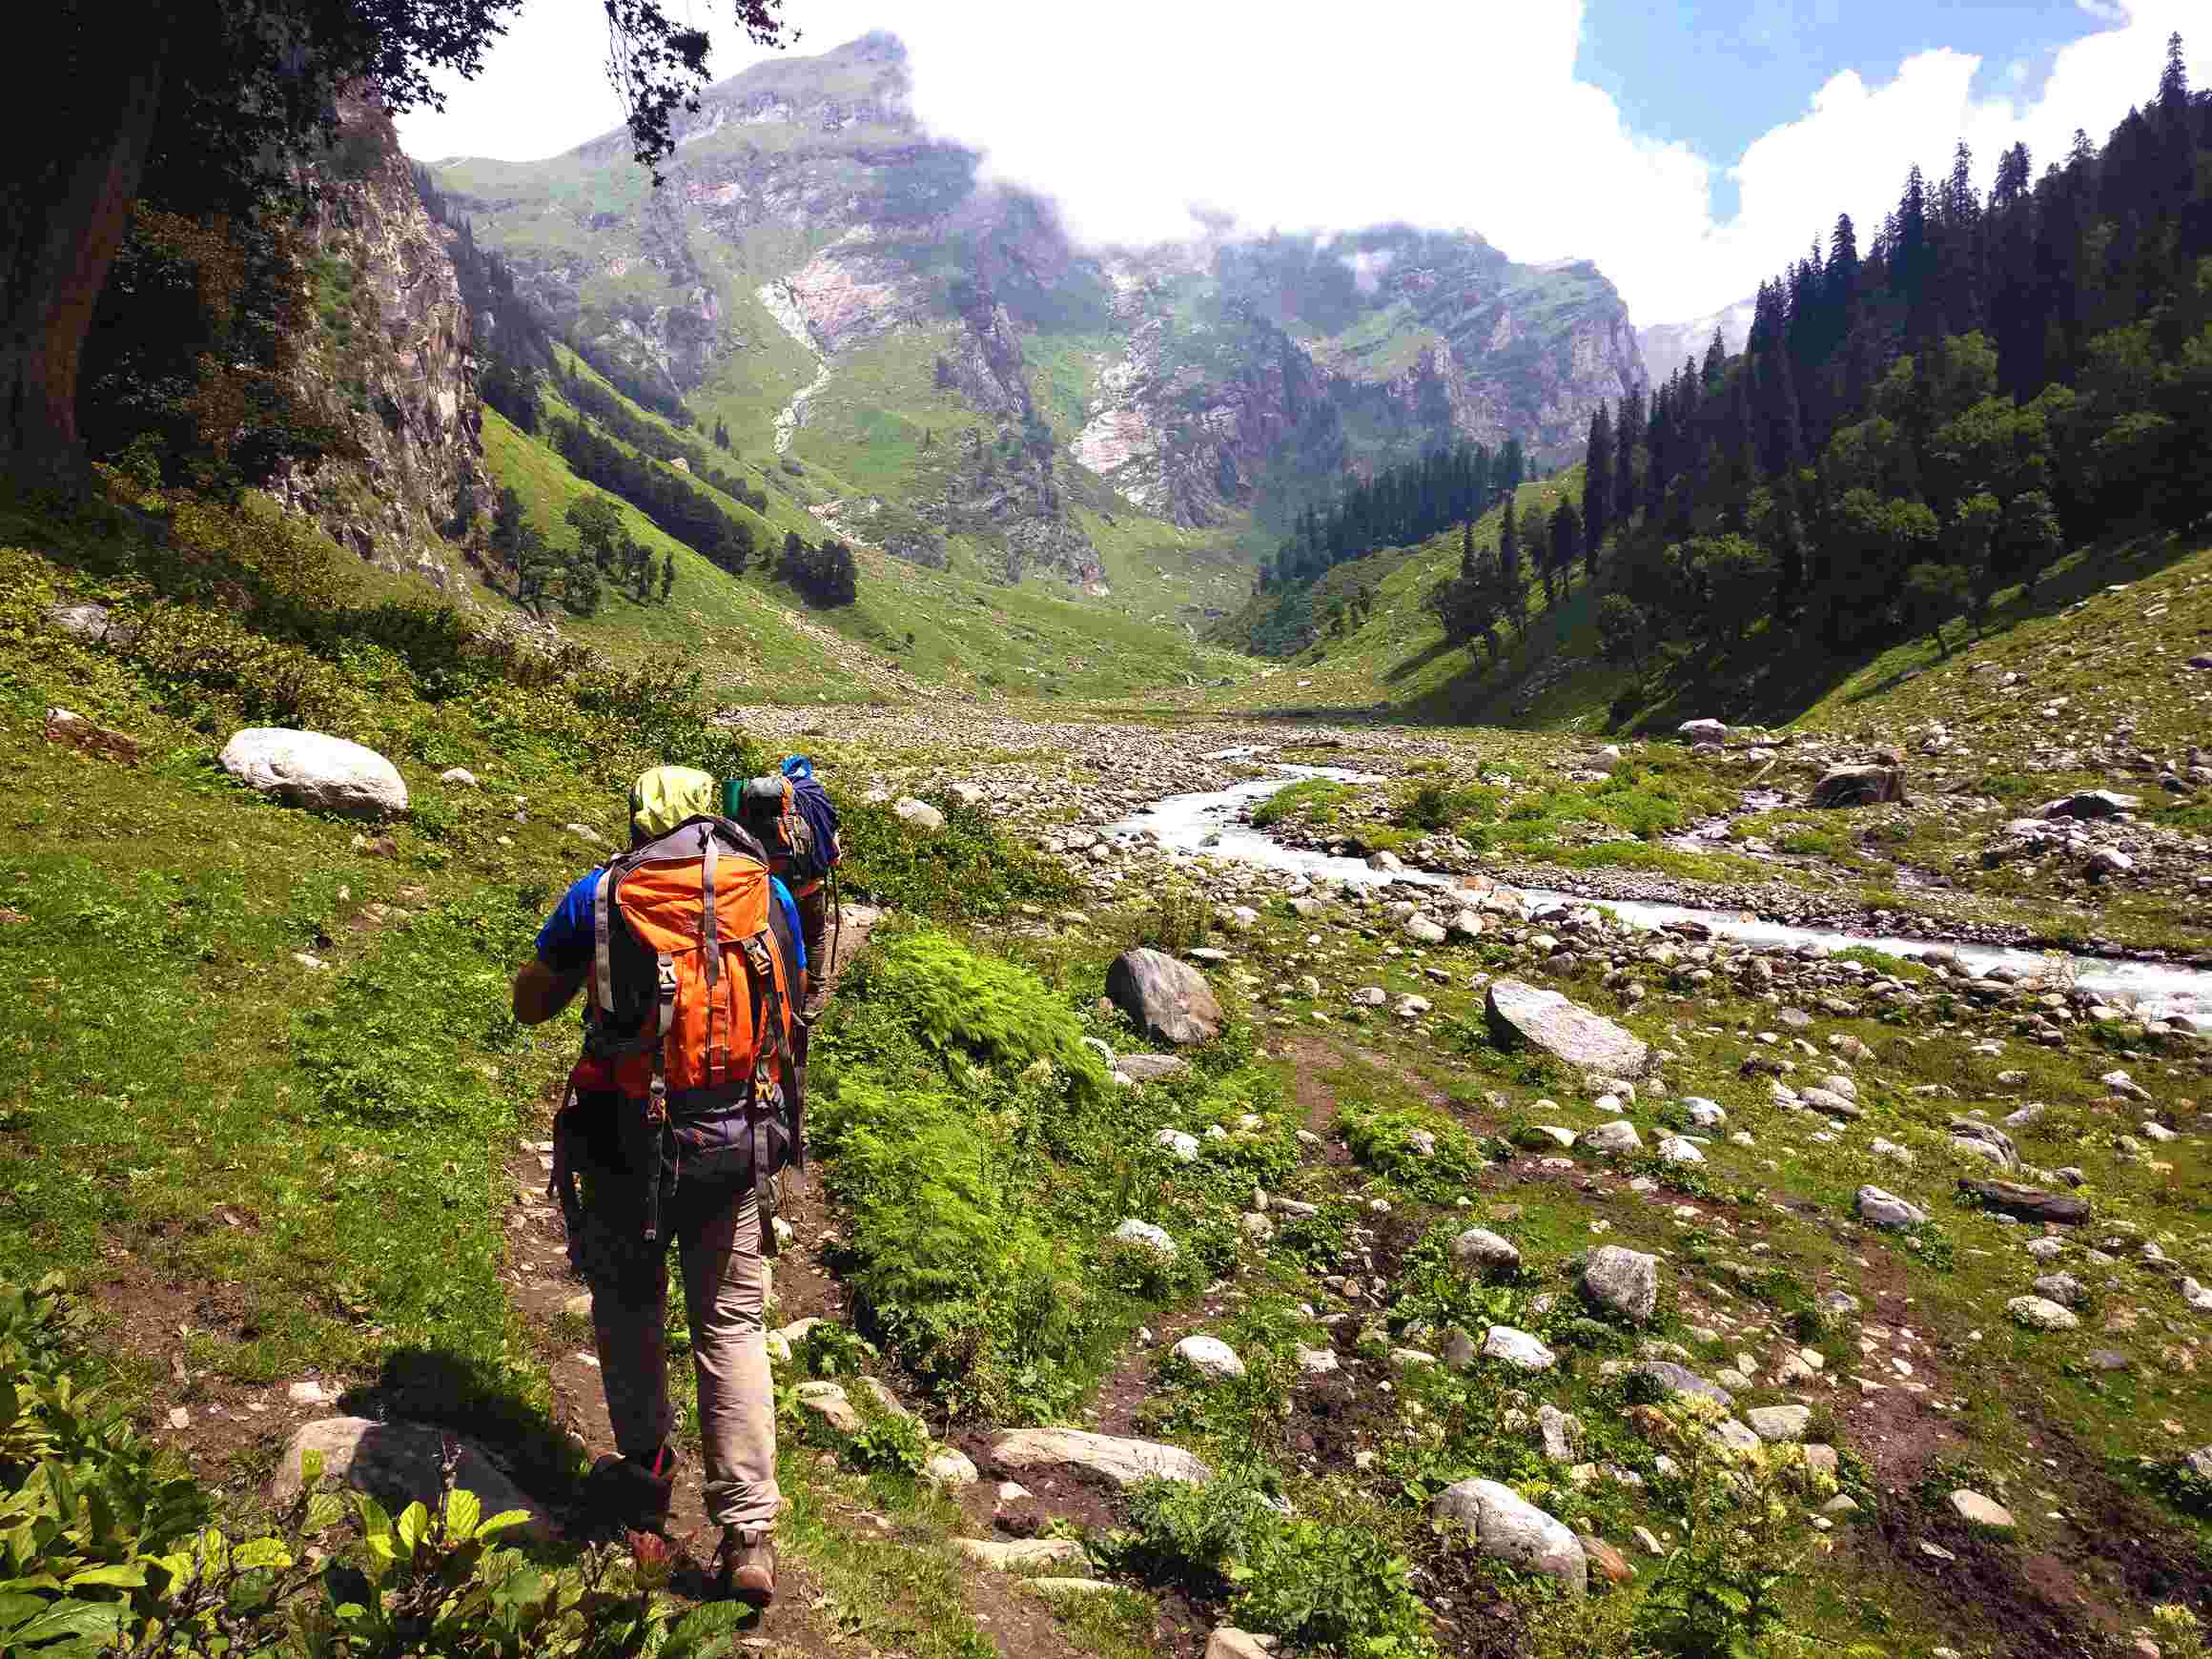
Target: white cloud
[1450,116]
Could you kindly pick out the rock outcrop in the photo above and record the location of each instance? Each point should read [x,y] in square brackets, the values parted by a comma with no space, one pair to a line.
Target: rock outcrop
[393,364]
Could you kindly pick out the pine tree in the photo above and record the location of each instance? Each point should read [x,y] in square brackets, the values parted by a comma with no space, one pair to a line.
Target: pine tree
[1508,561]
[1597,484]
[667,576]
[1467,549]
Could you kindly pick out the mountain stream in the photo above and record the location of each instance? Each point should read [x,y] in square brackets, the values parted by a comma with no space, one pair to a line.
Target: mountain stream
[1211,823]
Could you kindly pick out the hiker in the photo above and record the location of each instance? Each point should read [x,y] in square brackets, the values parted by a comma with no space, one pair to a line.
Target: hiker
[677,1118]
[792,816]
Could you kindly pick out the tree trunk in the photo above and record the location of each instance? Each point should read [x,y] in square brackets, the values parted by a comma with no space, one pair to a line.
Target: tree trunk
[77,155]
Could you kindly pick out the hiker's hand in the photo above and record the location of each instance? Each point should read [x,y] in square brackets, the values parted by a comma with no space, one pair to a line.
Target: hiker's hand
[540,994]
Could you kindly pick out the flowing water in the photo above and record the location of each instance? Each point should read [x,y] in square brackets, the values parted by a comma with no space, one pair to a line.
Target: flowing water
[1210,823]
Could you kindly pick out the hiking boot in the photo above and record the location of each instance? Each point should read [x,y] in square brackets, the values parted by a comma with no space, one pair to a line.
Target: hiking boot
[744,1567]
[635,1491]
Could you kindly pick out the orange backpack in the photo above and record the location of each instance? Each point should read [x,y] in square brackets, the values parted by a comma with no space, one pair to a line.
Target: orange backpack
[692,991]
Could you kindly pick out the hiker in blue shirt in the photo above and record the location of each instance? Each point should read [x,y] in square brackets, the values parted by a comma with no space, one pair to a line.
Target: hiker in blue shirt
[692,1160]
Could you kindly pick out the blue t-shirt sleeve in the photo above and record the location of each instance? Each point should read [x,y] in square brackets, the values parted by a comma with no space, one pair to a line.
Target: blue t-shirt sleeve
[565,941]
[791,919]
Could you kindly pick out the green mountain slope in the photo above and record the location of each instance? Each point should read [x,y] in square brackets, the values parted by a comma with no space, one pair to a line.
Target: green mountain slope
[911,629]
[949,373]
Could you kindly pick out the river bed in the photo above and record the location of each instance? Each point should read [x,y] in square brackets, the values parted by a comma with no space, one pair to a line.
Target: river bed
[1210,823]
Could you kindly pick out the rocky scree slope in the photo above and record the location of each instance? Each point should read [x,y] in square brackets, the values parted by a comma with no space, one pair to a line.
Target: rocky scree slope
[838,286]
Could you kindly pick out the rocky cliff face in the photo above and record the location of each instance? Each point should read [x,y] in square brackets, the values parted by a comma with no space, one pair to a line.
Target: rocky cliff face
[393,361]
[810,229]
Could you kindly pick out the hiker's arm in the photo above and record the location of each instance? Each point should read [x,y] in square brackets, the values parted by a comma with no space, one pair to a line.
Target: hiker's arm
[541,993]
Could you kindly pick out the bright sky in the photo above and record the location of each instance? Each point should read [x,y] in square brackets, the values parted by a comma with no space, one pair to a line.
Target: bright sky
[1690,149]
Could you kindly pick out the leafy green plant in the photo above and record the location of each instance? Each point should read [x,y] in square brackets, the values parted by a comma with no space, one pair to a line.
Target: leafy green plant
[890,1441]
[834,1349]
[1188,1534]
[1341,1588]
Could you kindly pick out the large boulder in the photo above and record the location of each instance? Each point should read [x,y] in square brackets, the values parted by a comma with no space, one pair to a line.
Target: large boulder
[313,769]
[1864,785]
[1520,1013]
[1168,999]
[1507,1527]
[396,1463]
[1121,1462]
[1702,730]
[1626,1281]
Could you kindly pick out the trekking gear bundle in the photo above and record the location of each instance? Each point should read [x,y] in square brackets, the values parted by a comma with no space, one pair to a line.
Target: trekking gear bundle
[792,815]
[691,1017]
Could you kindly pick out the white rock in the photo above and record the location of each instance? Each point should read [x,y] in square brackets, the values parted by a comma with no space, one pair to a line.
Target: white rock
[313,769]
[1508,1527]
[1518,1350]
[1886,1209]
[950,1469]
[460,777]
[1184,1147]
[1674,1149]
[1625,1281]
[1144,1232]
[1480,1247]
[1617,1137]
[1124,1462]
[2041,1313]
[919,816]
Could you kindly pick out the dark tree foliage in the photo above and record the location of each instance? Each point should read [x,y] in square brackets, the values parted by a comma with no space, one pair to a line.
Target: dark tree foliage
[684,511]
[611,414]
[1915,425]
[200,108]
[826,575]
[1399,506]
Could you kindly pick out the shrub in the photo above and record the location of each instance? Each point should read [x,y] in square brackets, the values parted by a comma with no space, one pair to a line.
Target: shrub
[949,1269]
[1191,1535]
[1331,1587]
[968,870]
[1391,1143]
[991,1010]
[892,1442]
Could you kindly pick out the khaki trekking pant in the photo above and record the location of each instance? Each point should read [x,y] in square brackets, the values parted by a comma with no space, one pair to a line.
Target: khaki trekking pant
[711,1217]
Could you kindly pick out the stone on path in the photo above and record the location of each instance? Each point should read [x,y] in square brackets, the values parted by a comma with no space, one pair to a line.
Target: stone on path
[1520,1013]
[2089,804]
[1864,785]
[1151,1068]
[1168,1001]
[1977,1510]
[1625,1281]
[1617,1137]
[1681,1379]
[829,1401]
[66,726]
[1122,1462]
[1885,1209]
[1779,1422]
[397,1463]
[1518,1350]
[314,770]
[919,816]
[950,1469]
[1024,1553]
[1230,1643]
[2041,1313]
[1209,1356]
[1317,1361]
[1508,1527]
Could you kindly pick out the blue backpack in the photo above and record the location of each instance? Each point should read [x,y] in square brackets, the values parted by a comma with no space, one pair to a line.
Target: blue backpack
[791,815]
[813,804]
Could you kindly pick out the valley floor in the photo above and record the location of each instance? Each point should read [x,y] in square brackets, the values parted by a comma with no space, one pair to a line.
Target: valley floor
[271,1121]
